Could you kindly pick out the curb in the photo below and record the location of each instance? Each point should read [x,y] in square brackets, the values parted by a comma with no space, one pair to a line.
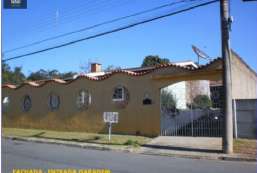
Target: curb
[181,156]
[131,150]
[68,143]
[204,157]
[242,159]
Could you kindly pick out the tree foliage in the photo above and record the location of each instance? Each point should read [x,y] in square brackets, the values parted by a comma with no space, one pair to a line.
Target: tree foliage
[111,68]
[168,101]
[50,74]
[14,76]
[152,60]
[201,102]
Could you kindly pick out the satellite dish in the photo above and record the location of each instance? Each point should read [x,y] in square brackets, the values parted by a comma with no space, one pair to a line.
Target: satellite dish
[201,54]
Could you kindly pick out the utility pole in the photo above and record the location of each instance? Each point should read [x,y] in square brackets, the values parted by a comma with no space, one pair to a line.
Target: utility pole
[227,140]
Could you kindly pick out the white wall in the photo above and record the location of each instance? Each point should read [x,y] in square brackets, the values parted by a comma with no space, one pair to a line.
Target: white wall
[179,92]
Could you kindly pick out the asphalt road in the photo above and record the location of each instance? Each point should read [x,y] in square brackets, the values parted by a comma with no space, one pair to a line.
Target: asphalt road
[19,154]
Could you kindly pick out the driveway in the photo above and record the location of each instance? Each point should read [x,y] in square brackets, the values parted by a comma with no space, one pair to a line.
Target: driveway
[197,143]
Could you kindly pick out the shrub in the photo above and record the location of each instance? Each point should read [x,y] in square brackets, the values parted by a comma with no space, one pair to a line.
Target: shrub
[201,102]
[132,143]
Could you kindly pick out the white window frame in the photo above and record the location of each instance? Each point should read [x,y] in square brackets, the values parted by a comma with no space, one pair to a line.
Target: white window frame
[5,103]
[122,94]
[85,103]
[50,102]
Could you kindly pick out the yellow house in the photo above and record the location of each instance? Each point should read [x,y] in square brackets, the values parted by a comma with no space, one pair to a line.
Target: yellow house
[78,104]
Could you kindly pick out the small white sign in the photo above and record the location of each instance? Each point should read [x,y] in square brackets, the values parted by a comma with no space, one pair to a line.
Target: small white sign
[111,117]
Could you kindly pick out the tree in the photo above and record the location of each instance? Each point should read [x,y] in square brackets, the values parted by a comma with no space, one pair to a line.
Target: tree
[38,75]
[54,74]
[6,73]
[18,77]
[67,75]
[202,102]
[49,74]
[168,101]
[111,68]
[152,60]
[12,76]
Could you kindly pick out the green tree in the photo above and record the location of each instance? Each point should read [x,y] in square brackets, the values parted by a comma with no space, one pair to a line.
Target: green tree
[54,74]
[168,101]
[15,76]
[18,77]
[201,102]
[6,73]
[38,75]
[67,75]
[111,68]
[50,74]
[152,60]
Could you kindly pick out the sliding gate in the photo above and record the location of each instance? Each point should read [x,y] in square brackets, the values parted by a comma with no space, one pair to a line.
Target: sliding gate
[208,123]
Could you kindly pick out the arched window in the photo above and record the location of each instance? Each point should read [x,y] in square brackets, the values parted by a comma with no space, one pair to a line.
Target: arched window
[147,99]
[83,99]
[26,104]
[6,103]
[120,96]
[54,102]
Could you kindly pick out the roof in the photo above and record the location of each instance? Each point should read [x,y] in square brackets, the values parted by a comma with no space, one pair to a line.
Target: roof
[130,72]
[182,63]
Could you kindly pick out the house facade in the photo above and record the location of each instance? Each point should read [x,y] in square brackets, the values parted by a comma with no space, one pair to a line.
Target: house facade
[78,104]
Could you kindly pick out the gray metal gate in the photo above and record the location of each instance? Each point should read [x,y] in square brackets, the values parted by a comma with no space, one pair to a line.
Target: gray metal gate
[207,123]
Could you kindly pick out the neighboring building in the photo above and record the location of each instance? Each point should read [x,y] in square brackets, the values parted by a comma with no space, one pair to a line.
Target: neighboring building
[184,92]
[216,90]
[244,82]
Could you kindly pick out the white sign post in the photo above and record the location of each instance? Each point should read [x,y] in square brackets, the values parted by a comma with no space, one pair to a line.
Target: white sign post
[110,117]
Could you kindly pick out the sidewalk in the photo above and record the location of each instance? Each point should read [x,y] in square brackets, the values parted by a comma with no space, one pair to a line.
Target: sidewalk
[182,147]
[191,147]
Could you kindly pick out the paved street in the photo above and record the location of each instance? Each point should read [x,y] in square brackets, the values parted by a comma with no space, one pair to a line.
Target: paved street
[18,154]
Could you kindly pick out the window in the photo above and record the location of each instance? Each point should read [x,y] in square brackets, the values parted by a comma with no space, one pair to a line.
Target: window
[54,102]
[26,103]
[83,99]
[6,103]
[118,94]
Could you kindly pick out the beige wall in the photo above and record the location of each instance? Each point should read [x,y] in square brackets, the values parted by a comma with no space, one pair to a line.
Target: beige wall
[244,80]
[134,118]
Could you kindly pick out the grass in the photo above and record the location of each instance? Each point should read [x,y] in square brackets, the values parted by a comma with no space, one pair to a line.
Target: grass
[245,146]
[242,146]
[77,136]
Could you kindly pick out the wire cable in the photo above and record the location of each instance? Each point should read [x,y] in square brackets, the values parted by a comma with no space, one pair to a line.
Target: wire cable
[111,31]
[96,25]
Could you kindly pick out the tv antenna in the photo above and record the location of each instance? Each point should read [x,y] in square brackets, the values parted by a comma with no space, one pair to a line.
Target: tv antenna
[200,54]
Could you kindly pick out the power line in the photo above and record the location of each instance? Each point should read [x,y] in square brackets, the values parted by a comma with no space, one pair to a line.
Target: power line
[64,18]
[111,31]
[97,25]
[41,28]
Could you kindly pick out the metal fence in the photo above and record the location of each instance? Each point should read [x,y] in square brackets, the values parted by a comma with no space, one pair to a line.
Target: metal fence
[209,124]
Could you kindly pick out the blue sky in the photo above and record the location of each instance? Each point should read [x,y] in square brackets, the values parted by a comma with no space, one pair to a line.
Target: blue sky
[170,37]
